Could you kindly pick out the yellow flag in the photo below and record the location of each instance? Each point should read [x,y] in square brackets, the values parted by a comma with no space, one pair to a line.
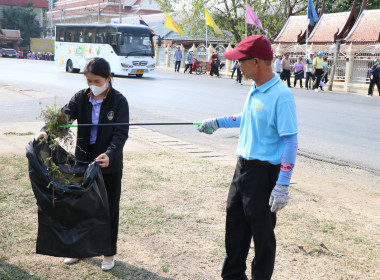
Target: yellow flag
[172,25]
[211,22]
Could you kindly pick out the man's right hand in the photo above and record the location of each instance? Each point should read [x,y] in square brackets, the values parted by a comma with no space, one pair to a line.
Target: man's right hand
[42,135]
[208,126]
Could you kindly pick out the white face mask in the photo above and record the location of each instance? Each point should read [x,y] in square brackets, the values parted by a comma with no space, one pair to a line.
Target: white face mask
[96,90]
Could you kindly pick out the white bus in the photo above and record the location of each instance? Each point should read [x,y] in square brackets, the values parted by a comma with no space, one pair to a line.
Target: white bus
[129,49]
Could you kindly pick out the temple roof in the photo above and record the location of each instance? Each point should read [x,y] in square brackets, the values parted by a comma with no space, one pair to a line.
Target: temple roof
[8,34]
[327,26]
[294,26]
[366,28]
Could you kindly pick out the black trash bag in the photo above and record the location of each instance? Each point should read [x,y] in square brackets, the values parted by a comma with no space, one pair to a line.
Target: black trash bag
[73,211]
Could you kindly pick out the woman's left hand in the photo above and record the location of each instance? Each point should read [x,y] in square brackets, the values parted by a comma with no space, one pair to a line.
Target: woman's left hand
[103,160]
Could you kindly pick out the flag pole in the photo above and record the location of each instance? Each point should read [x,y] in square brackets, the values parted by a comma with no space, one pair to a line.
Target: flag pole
[246,3]
[206,35]
[165,31]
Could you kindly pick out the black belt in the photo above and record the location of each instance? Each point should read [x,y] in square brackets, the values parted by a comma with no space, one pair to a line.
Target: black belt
[253,162]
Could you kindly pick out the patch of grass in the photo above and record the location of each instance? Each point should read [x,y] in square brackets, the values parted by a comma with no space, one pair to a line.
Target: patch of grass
[328,226]
[141,217]
[165,267]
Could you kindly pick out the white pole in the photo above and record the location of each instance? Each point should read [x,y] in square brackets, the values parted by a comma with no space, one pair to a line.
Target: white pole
[307,35]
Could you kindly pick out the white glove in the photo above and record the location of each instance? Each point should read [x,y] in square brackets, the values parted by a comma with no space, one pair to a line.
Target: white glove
[208,126]
[279,198]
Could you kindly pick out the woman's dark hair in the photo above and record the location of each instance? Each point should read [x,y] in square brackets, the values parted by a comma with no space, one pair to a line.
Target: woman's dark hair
[98,66]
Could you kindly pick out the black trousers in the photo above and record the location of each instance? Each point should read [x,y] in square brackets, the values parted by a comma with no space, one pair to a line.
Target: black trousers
[309,79]
[214,70]
[296,78]
[287,76]
[372,83]
[238,76]
[177,65]
[112,183]
[113,186]
[187,66]
[318,75]
[233,72]
[249,215]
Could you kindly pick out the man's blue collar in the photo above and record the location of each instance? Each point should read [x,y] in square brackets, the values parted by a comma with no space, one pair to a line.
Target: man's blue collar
[263,88]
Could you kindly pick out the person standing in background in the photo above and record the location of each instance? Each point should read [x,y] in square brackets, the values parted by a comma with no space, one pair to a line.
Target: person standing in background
[178,59]
[298,72]
[325,70]
[277,64]
[189,62]
[309,69]
[318,70]
[234,66]
[375,77]
[238,75]
[285,67]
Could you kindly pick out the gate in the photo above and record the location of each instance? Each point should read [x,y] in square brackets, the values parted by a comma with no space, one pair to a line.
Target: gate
[363,61]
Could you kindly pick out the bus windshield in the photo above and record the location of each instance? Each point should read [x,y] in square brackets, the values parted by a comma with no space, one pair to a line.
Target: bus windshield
[136,45]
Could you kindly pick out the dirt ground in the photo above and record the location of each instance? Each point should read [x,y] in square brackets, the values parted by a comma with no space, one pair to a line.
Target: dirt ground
[173,213]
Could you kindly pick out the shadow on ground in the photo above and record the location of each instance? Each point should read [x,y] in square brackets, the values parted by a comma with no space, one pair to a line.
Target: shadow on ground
[123,270]
[13,272]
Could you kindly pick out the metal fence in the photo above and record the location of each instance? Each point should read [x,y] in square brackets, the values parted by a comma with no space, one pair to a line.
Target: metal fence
[363,61]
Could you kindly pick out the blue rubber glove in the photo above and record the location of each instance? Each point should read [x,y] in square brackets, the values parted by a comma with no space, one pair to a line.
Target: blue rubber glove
[279,197]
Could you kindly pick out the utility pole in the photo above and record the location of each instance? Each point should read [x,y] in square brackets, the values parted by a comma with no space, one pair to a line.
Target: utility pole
[50,18]
[334,66]
[98,11]
[120,19]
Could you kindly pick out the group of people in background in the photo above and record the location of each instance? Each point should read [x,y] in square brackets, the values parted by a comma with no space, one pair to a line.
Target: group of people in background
[40,56]
[316,70]
[190,63]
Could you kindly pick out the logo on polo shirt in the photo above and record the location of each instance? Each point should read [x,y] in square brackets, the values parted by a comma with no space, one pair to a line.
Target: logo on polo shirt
[110,115]
[259,108]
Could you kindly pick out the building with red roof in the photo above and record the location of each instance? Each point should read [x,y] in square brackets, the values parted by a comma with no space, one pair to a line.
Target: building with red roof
[92,11]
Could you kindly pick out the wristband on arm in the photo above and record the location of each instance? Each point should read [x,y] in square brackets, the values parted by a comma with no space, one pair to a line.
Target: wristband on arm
[288,159]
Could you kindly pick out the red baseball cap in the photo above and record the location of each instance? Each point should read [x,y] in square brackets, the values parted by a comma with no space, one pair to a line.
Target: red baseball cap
[253,46]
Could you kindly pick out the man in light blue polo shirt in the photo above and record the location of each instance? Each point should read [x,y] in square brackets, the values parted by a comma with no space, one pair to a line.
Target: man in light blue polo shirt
[266,151]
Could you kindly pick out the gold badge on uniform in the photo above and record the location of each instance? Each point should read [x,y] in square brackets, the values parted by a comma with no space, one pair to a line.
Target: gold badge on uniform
[110,115]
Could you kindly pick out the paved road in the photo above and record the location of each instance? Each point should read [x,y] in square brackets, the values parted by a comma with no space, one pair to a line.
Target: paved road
[332,126]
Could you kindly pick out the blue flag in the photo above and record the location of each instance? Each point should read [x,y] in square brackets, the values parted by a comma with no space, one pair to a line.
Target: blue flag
[311,13]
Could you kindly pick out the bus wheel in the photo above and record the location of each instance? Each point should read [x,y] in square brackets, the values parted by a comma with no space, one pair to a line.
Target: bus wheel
[139,75]
[69,66]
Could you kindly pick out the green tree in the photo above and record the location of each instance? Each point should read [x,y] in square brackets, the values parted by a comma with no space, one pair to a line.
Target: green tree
[337,6]
[229,15]
[23,19]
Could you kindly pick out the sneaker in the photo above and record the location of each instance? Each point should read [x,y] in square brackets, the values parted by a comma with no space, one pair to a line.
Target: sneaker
[70,260]
[108,265]
[241,84]
[316,90]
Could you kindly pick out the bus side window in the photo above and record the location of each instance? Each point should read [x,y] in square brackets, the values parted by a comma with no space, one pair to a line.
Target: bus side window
[99,37]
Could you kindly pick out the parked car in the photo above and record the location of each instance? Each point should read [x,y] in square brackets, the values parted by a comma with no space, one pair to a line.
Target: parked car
[10,53]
